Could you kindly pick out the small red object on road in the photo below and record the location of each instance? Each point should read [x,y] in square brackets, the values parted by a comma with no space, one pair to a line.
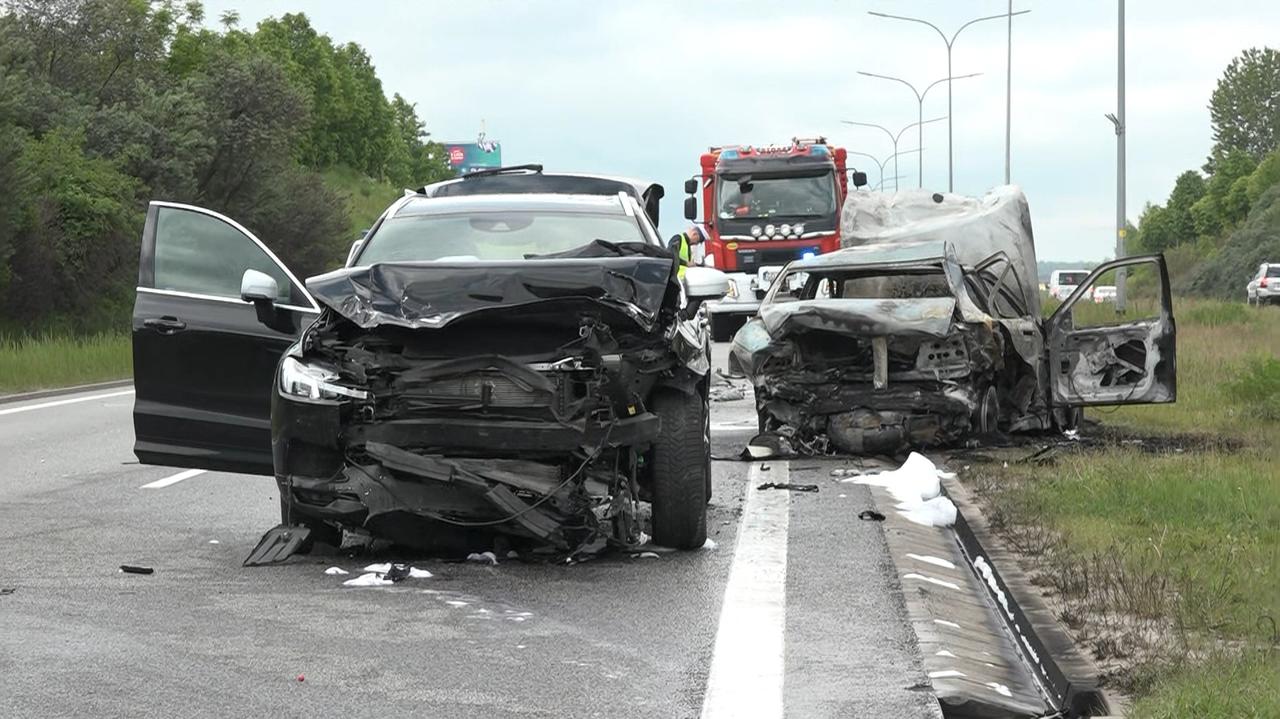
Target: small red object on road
[301,678]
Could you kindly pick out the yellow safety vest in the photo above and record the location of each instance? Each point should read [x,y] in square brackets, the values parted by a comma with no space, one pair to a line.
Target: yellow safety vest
[683,254]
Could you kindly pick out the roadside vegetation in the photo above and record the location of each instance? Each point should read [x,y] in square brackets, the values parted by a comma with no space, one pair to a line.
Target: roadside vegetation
[1157,535]
[30,363]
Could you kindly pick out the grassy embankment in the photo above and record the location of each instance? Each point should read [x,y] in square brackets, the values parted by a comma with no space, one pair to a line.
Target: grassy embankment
[54,359]
[1159,542]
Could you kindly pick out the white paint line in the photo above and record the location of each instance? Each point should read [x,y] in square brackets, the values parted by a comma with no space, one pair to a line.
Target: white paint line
[61,402]
[946,674]
[931,580]
[945,623]
[732,426]
[747,667]
[944,653]
[936,561]
[173,479]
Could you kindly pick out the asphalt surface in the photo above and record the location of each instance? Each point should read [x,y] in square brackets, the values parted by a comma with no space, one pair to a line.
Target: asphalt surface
[812,615]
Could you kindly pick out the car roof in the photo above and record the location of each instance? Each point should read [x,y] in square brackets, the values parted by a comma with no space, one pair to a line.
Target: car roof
[418,205]
[878,253]
[524,179]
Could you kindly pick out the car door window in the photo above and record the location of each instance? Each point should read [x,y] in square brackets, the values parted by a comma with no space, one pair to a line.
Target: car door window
[202,254]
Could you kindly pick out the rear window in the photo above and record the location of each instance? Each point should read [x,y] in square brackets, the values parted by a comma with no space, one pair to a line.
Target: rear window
[1071,278]
[1273,271]
[492,235]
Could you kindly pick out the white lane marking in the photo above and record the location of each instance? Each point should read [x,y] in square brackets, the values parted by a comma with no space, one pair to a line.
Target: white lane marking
[936,561]
[60,402]
[733,426]
[174,479]
[747,667]
[933,580]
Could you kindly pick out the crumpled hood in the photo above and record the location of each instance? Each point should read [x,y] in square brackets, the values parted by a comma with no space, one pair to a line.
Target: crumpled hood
[918,316]
[434,294]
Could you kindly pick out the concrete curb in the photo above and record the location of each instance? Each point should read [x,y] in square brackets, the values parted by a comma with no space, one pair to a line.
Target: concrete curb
[1047,648]
[59,391]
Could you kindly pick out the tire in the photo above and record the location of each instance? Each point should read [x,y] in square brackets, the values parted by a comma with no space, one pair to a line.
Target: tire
[989,412]
[706,428]
[679,493]
[721,329]
[1067,418]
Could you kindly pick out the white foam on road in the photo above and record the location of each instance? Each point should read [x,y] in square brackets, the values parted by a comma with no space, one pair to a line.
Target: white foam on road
[172,479]
[748,664]
[62,402]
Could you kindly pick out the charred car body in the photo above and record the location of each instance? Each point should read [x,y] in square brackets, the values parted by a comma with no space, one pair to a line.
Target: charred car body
[926,329]
[523,363]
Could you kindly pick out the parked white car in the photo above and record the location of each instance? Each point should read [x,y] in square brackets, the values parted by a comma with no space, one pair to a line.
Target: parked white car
[1104,293]
[1264,288]
[1063,282]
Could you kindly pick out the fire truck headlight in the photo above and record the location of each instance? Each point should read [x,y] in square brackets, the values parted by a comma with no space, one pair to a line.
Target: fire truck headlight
[798,228]
[785,229]
[756,230]
[768,230]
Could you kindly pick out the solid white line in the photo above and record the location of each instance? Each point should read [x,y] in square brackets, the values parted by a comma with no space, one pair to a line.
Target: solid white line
[187,474]
[60,402]
[747,667]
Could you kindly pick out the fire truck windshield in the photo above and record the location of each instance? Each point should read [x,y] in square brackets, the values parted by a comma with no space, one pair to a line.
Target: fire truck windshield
[811,196]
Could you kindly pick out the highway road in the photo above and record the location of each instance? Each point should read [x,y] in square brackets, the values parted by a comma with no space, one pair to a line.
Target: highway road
[797,611]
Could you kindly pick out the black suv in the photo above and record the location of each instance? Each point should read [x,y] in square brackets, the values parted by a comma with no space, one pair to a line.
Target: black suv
[521,360]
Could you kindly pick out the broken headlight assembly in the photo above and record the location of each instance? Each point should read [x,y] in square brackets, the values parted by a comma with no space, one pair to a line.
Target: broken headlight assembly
[313,382]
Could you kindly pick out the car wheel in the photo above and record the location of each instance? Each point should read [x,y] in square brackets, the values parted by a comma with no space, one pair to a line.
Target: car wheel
[1066,419]
[706,423]
[679,470]
[989,411]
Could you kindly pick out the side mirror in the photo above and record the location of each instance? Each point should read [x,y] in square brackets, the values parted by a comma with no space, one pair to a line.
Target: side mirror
[859,179]
[355,248]
[691,186]
[691,208]
[258,287]
[705,283]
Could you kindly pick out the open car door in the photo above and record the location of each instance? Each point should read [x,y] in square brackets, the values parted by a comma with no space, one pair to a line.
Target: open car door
[1132,362]
[204,359]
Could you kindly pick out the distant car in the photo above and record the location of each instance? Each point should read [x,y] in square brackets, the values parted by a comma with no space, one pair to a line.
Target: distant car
[521,359]
[1264,288]
[1063,282]
[1104,293]
[930,331]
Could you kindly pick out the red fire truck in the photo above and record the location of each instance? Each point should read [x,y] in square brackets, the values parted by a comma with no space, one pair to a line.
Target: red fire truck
[763,207]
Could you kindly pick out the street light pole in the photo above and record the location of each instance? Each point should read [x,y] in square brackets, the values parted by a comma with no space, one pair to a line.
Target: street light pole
[1120,163]
[894,139]
[919,112]
[949,42]
[1008,93]
[880,163]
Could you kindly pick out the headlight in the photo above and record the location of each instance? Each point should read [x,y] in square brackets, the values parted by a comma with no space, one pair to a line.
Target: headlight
[798,229]
[756,230]
[768,230]
[313,382]
[733,290]
[785,229]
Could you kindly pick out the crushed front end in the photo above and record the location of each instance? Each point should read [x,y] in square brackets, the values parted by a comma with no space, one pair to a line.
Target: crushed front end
[467,401]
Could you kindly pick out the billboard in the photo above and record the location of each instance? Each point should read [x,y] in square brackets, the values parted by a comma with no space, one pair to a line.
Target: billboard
[466,157]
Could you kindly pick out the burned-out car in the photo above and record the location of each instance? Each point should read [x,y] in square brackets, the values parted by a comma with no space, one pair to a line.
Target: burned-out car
[525,363]
[926,329]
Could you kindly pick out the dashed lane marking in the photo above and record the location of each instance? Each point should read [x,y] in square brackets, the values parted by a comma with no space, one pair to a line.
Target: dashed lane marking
[173,479]
[747,667]
[60,402]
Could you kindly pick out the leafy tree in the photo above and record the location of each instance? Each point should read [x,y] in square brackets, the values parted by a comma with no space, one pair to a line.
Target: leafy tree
[1265,176]
[1256,241]
[1245,106]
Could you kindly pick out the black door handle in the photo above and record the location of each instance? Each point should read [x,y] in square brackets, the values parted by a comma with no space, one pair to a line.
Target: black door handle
[166,325]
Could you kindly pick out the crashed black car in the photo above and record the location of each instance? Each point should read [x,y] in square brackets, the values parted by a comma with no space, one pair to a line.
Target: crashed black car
[522,363]
[926,330]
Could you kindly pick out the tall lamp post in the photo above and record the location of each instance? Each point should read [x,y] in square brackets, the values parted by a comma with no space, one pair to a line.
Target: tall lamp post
[893,138]
[881,163]
[920,112]
[950,42]
[1118,120]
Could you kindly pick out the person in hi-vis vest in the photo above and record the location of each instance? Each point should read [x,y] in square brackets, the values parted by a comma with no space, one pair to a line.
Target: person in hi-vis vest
[683,244]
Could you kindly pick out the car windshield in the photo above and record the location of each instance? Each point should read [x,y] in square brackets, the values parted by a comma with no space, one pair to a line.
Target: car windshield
[812,196]
[505,235]
[1071,278]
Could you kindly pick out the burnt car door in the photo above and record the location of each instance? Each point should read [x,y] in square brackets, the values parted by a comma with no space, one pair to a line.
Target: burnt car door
[204,357]
[1123,361]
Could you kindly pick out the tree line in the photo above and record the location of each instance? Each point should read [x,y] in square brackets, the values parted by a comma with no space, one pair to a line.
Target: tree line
[1222,220]
[105,104]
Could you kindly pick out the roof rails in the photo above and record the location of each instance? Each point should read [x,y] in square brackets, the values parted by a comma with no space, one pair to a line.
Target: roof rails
[503,170]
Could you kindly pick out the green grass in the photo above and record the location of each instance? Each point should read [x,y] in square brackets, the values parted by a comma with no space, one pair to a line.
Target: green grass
[49,361]
[1164,556]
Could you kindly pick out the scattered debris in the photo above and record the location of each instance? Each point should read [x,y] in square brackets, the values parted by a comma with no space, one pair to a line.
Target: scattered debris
[709,544]
[214,541]
[7,590]
[789,486]
[729,393]
[131,569]
[336,570]
[278,544]
[369,579]
[917,487]
[383,574]
[301,678]
[645,555]
[483,558]
[397,573]
[870,515]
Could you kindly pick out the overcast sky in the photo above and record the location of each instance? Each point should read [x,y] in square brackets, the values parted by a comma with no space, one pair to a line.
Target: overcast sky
[641,88]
